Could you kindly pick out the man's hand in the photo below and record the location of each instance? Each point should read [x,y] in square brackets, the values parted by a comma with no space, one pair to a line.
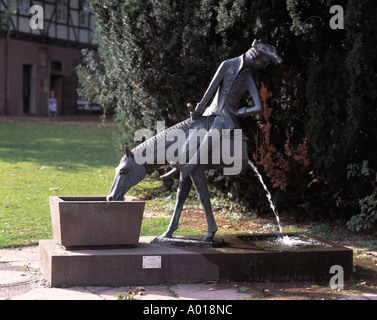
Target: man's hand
[193,114]
[244,112]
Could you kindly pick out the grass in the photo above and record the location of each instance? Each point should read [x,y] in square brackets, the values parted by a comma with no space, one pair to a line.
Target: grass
[38,160]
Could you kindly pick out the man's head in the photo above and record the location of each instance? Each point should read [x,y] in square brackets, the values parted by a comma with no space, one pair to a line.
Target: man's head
[263,54]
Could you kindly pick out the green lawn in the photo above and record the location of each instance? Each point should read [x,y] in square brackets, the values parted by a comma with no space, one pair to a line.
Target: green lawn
[38,160]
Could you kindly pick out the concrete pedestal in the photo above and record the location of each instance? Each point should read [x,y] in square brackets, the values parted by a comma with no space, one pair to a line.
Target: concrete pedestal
[149,263]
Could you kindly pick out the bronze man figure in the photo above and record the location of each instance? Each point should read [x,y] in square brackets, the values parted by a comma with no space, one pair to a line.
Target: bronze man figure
[231,82]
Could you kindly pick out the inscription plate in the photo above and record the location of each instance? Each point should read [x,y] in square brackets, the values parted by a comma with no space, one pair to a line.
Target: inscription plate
[151,262]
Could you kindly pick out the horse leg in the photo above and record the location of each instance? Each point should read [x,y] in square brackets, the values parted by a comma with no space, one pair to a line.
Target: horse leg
[182,193]
[200,183]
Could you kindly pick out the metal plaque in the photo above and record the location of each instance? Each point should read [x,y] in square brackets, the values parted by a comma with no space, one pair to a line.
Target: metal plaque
[151,262]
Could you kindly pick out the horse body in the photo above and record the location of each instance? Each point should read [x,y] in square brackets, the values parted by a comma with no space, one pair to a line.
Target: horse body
[130,171]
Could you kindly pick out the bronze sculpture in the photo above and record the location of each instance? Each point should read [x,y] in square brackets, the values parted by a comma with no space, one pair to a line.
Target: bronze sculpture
[231,81]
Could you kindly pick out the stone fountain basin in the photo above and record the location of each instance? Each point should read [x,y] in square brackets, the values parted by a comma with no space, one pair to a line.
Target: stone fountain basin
[93,221]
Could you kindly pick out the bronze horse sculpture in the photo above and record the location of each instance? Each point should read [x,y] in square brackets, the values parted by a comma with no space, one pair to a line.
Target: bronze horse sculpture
[231,82]
[129,173]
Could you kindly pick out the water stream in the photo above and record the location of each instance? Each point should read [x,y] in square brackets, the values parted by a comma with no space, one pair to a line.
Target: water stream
[268,194]
[282,241]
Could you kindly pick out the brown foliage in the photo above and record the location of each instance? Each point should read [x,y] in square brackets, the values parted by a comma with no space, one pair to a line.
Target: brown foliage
[274,162]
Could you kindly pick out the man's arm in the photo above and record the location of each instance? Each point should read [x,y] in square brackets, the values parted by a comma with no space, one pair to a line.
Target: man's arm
[211,90]
[257,108]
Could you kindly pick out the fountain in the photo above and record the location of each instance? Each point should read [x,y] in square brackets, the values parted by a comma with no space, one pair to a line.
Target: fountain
[91,246]
[98,259]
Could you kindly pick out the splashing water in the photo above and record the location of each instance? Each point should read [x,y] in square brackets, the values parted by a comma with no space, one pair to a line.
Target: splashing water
[298,242]
[268,194]
[284,242]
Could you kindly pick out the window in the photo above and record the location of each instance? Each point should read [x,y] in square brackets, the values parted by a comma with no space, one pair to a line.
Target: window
[56,66]
[62,11]
[83,13]
[83,5]
[24,6]
[13,5]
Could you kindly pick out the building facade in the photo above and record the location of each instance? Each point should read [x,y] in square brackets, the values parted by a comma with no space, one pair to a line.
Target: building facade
[37,63]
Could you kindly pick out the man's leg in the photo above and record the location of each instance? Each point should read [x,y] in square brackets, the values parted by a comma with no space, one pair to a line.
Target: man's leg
[201,155]
[182,193]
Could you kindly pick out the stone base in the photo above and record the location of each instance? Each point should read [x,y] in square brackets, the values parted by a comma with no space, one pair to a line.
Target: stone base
[150,263]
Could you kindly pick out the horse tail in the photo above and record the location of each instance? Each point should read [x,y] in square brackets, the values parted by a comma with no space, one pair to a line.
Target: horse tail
[169,174]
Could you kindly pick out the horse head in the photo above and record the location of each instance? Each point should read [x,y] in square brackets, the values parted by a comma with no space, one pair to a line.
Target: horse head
[127,174]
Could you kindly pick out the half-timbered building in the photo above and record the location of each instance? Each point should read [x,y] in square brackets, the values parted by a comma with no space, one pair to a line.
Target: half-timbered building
[38,61]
